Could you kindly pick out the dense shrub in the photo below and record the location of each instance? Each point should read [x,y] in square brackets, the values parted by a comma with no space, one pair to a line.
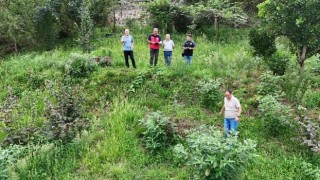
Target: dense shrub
[274,115]
[159,133]
[270,85]
[210,94]
[64,113]
[46,25]
[9,156]
[10,117]
[277,63]
[164,14]
[86,26]
[213,156]
[262,42]
[309,129]
[79,65]
[311,99]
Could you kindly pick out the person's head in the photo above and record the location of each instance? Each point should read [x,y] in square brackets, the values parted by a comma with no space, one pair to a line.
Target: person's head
[228,94]
[155,31]
[126,32]
[167,36]
[189,37]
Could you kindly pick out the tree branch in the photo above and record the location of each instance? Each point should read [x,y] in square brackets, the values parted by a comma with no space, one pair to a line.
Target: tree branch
[314,51]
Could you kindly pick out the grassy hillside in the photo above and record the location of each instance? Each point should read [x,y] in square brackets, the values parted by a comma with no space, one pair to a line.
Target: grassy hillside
[116,98]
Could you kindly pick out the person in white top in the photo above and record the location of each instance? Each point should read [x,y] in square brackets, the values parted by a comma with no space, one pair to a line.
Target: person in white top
[232,109]
[168,46]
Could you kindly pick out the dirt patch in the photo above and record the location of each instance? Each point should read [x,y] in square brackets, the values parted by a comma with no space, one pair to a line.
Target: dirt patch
[184,126]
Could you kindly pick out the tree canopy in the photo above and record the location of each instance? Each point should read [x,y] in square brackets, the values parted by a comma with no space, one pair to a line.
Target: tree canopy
[298,20]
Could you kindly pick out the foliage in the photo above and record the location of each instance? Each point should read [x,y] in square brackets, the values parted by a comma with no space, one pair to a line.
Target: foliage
[159,133]
[213,156]
[15,134]
[86,26]
[137,83]
[210,94]
[216,11]
[262,42]
[311,99]
[276,117]
[310,130]
[277,63]
[65,113]
[46,26]
[270,85]
[301,24]
[79,65]
[17,24]
[163,15]
[9,156]
[309,171]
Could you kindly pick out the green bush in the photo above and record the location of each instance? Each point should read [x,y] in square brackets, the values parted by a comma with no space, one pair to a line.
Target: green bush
[210,94]
[64,113]
[15,131]
[312,99]
[9,156]
[275,116]
[277,63]
[270,85]
[79,65]
[213,156]
[163,15]
[262,42]
[159,133]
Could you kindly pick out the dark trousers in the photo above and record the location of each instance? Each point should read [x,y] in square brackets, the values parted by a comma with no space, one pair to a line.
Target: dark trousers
[126,58]
[154,53]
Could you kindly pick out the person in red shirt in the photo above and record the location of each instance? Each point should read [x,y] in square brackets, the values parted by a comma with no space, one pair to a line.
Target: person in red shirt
[154,41]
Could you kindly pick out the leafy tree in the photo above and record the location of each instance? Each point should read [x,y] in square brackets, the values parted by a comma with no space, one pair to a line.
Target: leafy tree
[297,20]
[220,10]
[16,18]
[168,16]
[86,26]
[46,26]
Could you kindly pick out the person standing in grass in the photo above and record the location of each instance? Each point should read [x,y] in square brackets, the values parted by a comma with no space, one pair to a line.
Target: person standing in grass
[154,41]
[188,47]
[168,46]
[232,111]
[127,41]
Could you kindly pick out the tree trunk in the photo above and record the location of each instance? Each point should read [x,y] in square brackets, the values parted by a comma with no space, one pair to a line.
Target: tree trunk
[114,21]
[302,55]
[15,45]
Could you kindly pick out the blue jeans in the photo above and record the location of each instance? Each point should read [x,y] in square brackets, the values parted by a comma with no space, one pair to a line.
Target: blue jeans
[167,57]
[188,59]
[230,125]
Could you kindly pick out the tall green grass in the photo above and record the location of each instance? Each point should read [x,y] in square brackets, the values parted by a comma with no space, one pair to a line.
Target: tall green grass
[111,149]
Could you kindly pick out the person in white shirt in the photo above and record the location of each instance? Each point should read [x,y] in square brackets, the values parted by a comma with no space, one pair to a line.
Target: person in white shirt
[168,46]
[232,111]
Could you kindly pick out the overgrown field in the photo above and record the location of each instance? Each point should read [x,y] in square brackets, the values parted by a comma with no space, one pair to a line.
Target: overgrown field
[65,116]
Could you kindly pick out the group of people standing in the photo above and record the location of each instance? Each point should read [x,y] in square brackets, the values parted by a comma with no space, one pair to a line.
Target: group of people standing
[155,43]
[231,107]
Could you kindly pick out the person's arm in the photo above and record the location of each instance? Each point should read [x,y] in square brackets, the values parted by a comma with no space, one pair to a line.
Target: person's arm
[193,46]
[160,41]
[239,113]
[132,42]
[149,40]
[122,41]
[184,46]
[221,111]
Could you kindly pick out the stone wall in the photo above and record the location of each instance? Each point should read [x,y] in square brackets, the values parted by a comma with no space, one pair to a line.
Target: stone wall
[132,10]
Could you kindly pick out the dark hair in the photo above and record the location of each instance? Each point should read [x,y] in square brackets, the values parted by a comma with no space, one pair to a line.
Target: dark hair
[190,35]
[229,91]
